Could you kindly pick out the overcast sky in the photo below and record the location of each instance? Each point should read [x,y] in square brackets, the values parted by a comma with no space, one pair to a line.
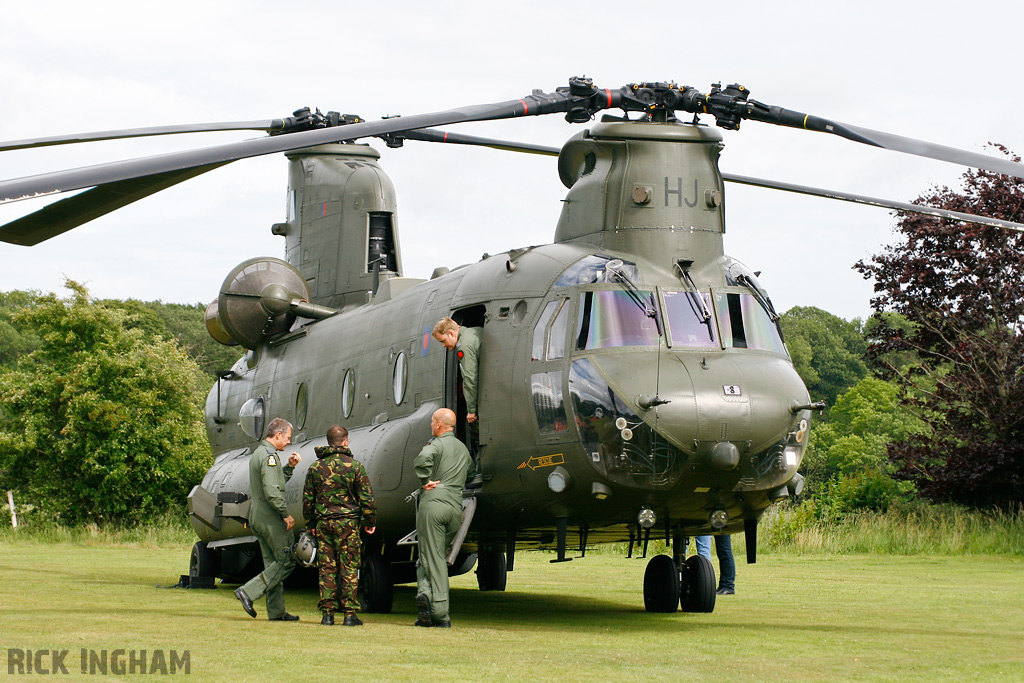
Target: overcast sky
[945,74]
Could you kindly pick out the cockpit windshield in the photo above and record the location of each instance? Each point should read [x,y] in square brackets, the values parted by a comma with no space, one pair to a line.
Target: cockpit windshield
[745,324]
[611,318]
[690,322]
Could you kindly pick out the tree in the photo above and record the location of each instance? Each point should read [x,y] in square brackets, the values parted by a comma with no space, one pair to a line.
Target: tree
[185,323]
[958,291]
[101,422]
[862,423]
[15,341]
[826,351]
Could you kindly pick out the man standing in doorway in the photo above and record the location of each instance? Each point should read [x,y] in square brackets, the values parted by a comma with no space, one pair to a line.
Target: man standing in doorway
[337,496]
[270,521]
[465,342]
[441,466]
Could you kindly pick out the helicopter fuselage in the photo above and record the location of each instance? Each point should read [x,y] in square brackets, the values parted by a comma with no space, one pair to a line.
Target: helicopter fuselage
[632,376]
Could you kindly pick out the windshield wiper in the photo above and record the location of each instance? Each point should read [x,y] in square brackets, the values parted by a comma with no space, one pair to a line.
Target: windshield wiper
[697,302]
[618,274]
[765,302]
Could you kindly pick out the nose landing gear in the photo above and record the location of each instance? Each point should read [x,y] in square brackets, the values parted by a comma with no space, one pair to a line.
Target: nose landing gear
[690,585]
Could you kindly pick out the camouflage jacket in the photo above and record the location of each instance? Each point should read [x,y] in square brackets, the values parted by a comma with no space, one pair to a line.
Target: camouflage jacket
[337,488]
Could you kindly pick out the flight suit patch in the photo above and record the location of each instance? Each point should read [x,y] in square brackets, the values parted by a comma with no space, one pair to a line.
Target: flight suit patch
[271,461]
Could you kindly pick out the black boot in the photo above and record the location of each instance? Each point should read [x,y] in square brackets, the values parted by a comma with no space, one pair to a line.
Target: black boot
[352,620]
[328,619]
[423,610]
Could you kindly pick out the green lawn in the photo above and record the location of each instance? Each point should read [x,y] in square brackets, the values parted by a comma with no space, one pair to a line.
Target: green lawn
[809,617]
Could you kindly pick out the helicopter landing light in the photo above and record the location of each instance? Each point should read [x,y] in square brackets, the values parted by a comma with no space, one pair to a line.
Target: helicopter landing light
[792,456]
[718,519]
[796,485]
[600,491]
[780,493]
[559,479]
[627,434]
[646,518]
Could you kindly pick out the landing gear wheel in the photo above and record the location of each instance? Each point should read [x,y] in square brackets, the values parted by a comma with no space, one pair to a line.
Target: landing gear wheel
[697,587]
[203,563]
[376,587]
[490,570]
[661,584]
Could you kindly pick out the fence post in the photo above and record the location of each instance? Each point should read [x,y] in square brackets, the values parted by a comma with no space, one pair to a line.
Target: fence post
[14,515]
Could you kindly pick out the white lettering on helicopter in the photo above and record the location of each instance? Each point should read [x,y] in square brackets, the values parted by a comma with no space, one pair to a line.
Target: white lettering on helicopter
[679,192]
[732,390]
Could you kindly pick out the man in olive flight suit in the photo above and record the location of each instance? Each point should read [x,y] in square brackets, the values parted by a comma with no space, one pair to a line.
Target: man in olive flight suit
[337,495]
[270,521]
[465,342]
[441,466]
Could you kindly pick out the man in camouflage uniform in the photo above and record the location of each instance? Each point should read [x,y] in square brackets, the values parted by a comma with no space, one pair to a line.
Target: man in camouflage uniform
[270,521]
[465,342]
[441,466]
[336,497]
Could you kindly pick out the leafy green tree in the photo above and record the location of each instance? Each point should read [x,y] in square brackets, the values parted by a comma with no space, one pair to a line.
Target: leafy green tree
[15,340]
[101,422]
[185,323]
[827,351]
[958,291]
[861,425]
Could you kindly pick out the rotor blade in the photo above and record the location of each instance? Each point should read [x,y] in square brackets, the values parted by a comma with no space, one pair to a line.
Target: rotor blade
[66,214]
[433,135]
[64,181]
[940,152]
[877,138]
[268,125]
[874,201]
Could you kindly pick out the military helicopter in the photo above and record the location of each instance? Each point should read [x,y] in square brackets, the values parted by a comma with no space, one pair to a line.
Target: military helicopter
[634,379]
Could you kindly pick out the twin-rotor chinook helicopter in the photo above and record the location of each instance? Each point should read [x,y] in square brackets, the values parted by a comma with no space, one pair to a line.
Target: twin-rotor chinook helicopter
[634,380]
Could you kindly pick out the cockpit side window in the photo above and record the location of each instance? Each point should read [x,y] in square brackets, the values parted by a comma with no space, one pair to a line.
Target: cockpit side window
[549,334]
[540,331]
[744,323]
[556,337]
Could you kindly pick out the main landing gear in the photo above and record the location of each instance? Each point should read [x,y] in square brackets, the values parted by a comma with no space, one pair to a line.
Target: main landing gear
[691,585]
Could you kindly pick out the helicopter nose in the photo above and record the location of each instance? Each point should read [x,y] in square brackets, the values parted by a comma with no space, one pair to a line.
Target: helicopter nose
[742,399]
[720,403]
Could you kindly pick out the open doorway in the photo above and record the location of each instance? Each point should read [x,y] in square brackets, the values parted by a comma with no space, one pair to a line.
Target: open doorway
[454,396]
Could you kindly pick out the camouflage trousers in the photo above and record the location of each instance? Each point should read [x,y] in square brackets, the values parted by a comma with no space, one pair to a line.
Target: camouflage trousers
[339,553]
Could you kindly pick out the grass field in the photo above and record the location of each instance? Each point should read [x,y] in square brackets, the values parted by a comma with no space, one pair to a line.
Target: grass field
[795,617]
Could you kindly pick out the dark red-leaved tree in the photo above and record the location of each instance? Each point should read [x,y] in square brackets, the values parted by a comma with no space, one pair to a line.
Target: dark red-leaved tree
[956,345]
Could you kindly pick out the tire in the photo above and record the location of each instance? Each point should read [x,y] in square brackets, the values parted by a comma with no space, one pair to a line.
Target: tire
[376,587]
[697,587]
[490,570]
[203,562]
[661,584]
